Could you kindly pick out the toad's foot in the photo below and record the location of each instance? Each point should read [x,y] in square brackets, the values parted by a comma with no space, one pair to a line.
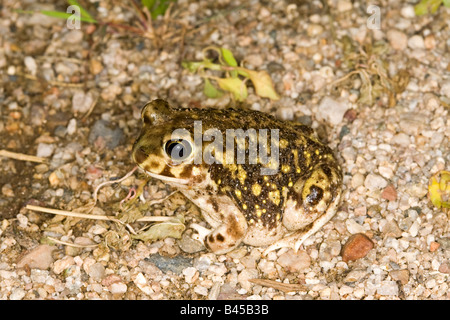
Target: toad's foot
[201,234]
[296,239]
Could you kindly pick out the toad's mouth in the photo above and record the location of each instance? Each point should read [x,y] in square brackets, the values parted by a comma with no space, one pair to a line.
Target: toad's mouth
[165,178]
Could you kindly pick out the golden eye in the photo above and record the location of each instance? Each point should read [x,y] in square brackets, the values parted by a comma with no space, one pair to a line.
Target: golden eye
[178,149]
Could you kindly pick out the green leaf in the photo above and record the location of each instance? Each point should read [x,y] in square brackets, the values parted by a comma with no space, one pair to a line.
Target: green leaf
[427,6]
[210,91]
[64,15]
[263,84]
[234,85]
[148,4]
[84,13]
[169,229]
[228,57]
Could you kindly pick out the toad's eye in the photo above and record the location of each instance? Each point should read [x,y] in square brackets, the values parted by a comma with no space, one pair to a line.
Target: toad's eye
[178,149]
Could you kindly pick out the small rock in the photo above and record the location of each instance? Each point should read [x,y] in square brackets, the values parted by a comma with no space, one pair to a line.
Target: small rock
[434,246]
[17,294]
[444,268]
[354,227]
[190,274]
[30,64]
[445,89]
[294,262]
[175,264]
[72,127]
[81,101]
[355,275]
[244,277]
[389,193]
[416,42]
[374,182]
[402,139]
[397,39]
[103,136]
[391,229]
[388,288]
[38,258]
[95,66]
[344,5]
[400,275]
[97,271]
[45,150]
[118,288]
[73,37]
[357,180]
[408,12]
[62,264]
[356,247]
[332,110]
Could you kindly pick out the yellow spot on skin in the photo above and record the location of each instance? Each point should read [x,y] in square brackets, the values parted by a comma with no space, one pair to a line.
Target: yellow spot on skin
[278,216]
[264,201]
[285,168]
[290,184]
[274,196]
[219,181]
[274,186]
[256,206]
[317,152]
[267,184]
[298,170]
[266,178]
[252,221]
[244,206]
[238,193]
[242,175]
[256,189]
[284,143]
[264,210]
[258,213]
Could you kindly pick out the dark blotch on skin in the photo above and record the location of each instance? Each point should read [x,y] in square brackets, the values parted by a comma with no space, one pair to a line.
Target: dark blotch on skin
[315,195]
[139,155]
[220,237]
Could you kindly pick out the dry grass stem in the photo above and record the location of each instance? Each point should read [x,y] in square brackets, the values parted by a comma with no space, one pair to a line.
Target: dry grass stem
[21,156]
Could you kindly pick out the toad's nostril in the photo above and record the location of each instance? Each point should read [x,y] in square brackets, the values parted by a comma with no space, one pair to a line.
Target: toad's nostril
[140,155]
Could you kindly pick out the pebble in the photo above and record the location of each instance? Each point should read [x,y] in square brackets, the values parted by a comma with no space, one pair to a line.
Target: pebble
[244,277]
[397,39]
[356,247]
[344,5]
[39,258]
[31,65]
[190,274]
[388,288]
[17,294]
[374,182]
[357,180]
[332,110]
[73,37]
[400,275]
[45,150]
[110,138]
[354,227]
[118,288]
[97,271]
[389,193]
[82,101]
[294,262]
[416,42]
[355,275]
[62,264]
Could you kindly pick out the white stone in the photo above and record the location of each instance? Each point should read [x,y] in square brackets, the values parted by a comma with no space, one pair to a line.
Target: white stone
[45,150]
[374,182]
[332,110]
[416,42]
[72,126]
[190,274]
[17,294]
[388,288]
[30,64]
[118,288]
[397,39]
[354,227]
[408,12]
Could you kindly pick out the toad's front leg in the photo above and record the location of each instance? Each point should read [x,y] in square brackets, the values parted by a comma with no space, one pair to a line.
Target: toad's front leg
[226,236]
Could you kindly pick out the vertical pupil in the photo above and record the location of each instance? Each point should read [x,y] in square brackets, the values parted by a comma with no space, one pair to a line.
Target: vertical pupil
[178,149]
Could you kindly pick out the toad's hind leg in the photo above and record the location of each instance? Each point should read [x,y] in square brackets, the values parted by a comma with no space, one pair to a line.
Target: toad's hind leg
[313,206]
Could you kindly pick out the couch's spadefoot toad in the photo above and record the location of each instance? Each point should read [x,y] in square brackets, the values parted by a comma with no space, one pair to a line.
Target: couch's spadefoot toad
[282,206]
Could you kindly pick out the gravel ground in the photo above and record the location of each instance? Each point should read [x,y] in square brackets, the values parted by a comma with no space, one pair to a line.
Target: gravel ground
[73,97]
